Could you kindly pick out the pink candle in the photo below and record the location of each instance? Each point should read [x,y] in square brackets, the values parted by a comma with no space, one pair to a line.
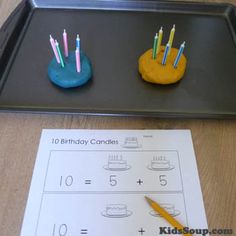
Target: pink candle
[65,43]
[77,56]
[54,49]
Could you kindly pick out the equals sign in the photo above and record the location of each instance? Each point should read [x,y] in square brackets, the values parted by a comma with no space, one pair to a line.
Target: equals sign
[83,231]
[88,181]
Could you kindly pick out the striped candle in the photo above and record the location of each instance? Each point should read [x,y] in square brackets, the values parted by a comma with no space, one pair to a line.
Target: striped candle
[77,57]
[160,35]
[180,52]
[54,49]
[66,53]
[165,54]
[171,38]
[154,50]
[78,41]
[59,53]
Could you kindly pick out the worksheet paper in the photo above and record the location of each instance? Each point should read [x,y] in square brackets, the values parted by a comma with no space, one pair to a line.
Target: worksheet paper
[93,182]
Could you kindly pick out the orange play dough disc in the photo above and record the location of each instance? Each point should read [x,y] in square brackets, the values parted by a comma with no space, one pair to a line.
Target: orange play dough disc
[154,72]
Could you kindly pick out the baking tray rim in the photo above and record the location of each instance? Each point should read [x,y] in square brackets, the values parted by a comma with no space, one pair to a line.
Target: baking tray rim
[114,112]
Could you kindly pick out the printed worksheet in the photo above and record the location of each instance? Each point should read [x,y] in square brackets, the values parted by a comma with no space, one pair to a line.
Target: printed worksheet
[94,182]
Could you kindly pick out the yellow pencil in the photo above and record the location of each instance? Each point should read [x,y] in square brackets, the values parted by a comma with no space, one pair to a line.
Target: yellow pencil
[155,206]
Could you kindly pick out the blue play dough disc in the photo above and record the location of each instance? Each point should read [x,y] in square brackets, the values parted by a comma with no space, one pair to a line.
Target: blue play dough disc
[68,77]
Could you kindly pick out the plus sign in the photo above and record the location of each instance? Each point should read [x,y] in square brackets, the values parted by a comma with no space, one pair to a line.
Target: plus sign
[139,181]
[141,231]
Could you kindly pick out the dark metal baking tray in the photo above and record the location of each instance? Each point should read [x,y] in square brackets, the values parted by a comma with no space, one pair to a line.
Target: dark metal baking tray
[114,34]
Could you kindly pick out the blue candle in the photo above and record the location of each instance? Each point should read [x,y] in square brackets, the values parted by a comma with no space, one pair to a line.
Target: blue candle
[180,52]
[78,42]
[165,54]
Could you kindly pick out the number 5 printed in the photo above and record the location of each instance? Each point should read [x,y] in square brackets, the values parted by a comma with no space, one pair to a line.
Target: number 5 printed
[163,180]
[113,181]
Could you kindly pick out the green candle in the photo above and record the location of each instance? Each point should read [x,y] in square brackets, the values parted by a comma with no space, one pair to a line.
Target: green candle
[59,53]
[154,50]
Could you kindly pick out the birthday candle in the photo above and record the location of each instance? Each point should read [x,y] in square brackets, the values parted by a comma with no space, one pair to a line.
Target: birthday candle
[54,49]
[171,37]
[154,50]
[65,43]
[165,54]
[180,52]
[160,34]
[77,41]
[59,53]
[77,56]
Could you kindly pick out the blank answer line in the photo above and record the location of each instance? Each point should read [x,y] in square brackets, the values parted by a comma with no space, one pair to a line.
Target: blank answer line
[112,192]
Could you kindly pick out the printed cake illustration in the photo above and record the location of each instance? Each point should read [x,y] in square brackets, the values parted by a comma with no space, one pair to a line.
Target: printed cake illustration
[160,163]
[170,208]
[116,211]
[131,142]
[116,163]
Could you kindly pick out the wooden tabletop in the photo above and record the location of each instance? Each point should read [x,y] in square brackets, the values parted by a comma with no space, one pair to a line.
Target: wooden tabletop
[214,143]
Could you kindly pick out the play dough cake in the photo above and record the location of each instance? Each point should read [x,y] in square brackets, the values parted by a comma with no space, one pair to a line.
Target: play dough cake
[70,70]
[163,65]
[153,71]
[68,77]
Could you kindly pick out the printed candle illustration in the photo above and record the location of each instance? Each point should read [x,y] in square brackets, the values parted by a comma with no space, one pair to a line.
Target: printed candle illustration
[166,54]
[65,43]
[59,53]
[160,34]
[54,49]
[171,38]
[180,52]
[154,50]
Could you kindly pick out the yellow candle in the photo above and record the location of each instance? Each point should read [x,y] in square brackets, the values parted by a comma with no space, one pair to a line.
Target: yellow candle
[171,38]
[160,34]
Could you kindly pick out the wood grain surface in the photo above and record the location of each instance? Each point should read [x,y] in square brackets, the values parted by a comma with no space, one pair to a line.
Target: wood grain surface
[214,143]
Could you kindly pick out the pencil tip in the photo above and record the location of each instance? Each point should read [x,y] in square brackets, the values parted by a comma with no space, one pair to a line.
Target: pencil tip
[148,200]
